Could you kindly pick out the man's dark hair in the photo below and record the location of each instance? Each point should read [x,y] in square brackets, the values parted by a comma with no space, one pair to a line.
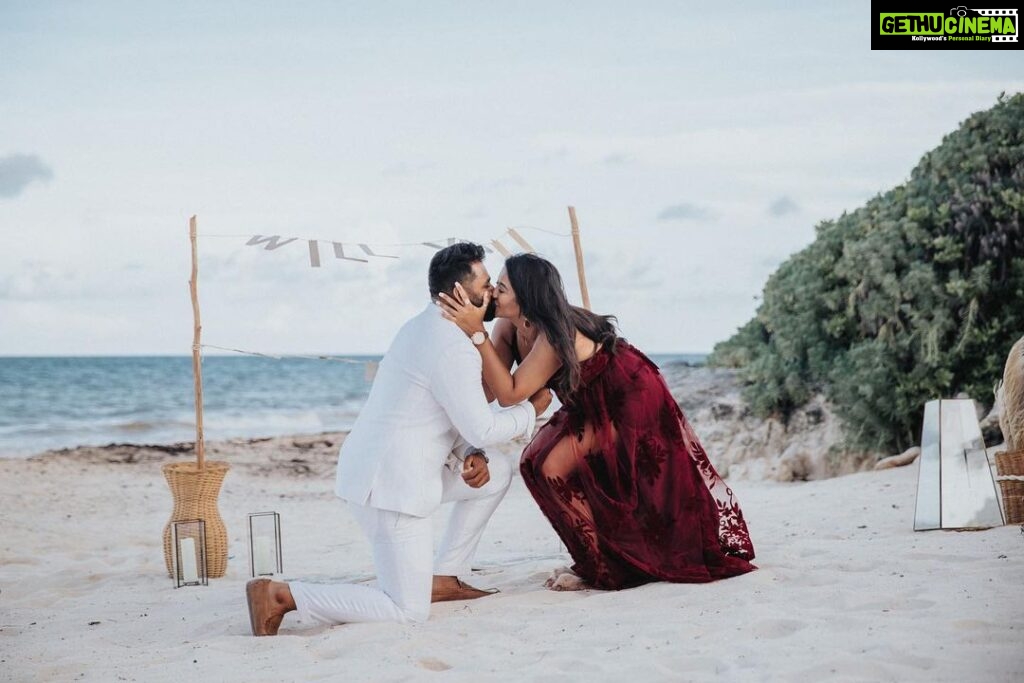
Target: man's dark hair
[452,264]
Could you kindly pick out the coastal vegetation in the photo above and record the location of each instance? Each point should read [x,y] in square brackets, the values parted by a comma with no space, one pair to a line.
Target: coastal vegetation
[917,295]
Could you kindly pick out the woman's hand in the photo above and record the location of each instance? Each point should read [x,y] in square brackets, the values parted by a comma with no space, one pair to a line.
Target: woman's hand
[461,311]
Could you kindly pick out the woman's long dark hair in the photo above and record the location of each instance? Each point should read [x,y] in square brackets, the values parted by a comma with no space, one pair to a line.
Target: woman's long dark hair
[542,301]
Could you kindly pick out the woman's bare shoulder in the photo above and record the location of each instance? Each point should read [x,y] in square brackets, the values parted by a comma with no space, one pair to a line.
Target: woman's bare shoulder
[503,329]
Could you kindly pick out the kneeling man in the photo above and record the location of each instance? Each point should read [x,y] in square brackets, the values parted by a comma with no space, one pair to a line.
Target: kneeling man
[426,411]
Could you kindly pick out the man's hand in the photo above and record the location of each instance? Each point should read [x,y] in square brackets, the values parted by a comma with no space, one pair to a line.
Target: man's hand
[474,471]
[541,400]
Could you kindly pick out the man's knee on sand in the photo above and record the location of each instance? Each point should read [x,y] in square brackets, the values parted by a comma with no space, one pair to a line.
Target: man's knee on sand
[415,611]
[415,615]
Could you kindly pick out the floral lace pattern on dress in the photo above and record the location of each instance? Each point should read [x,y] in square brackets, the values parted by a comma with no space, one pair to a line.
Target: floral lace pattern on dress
[625,482]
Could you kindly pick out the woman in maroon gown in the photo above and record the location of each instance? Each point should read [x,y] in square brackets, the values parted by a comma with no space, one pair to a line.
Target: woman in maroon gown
[618,471]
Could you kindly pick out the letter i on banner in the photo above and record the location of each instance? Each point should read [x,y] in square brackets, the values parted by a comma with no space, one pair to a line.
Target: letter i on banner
[314,254]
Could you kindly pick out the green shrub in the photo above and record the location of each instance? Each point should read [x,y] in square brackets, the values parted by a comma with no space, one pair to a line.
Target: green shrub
[917,295]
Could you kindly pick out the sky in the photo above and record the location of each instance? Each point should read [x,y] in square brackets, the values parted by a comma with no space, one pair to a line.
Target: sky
[699,144]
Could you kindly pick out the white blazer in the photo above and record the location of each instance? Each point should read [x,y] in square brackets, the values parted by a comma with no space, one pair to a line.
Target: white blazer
[426,394]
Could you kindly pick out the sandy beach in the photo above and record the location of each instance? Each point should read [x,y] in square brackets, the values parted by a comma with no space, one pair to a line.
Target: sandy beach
[845,591]
[228,225]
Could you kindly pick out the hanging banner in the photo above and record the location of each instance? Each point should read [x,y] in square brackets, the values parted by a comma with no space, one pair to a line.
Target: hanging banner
[501,248]
[339,252]
[514,234]
[369,252]
[274,242]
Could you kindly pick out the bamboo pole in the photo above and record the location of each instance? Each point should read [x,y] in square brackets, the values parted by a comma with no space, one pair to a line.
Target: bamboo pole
[197,369]
[580,269]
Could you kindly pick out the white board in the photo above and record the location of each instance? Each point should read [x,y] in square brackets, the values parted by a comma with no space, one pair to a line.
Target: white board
[928,513]
[955,489]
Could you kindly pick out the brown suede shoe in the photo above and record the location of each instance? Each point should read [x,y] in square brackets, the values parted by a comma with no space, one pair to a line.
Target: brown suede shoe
[461,591]
[264,615]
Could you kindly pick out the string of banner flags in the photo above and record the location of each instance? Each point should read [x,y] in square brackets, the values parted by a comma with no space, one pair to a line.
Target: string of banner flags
[360,252]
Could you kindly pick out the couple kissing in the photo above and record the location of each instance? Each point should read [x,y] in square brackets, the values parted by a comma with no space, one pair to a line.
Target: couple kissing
[618,471]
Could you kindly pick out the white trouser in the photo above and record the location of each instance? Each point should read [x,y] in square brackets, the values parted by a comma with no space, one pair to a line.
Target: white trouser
[402,550]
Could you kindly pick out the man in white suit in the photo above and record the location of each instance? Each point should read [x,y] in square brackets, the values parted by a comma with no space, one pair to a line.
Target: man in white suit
[416,444]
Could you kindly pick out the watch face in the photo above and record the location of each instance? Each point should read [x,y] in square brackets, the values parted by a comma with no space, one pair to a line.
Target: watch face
[478,338]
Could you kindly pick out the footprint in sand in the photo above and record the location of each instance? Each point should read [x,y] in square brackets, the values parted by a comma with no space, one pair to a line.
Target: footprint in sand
[972,624]
[432,664]
[777,628]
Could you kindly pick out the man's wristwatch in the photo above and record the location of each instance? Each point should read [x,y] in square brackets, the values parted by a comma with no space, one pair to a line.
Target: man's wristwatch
[479,337]
[472,450]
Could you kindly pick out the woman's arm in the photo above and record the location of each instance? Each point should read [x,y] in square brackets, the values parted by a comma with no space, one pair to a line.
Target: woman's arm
[533,372]
[501,337]
[531,375]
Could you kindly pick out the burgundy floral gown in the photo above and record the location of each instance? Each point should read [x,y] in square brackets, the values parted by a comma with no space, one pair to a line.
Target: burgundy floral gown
[632,493]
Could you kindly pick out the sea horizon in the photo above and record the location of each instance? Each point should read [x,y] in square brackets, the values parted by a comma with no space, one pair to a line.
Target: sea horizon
[54,402]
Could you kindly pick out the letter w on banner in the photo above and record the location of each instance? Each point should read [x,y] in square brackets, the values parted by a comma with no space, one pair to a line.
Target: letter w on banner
[272,242]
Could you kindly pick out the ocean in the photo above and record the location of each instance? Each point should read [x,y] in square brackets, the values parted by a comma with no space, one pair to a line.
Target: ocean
[62,402]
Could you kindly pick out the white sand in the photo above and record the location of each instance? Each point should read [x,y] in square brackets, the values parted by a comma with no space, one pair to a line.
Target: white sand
[846,591]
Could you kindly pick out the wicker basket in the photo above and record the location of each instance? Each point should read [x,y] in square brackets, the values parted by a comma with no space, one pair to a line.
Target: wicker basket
[1012,488]
[195,494]
[1010,463]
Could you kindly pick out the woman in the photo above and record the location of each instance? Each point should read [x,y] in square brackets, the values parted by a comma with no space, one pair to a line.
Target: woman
[618,471]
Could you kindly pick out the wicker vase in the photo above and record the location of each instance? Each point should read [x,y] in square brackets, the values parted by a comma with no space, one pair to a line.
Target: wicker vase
[1010,477]
[195,494]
